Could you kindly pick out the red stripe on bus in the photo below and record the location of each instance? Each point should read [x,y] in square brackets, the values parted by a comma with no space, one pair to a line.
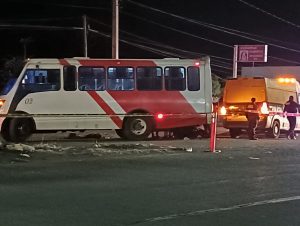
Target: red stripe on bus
[63,62]
[106,108]
[165,102]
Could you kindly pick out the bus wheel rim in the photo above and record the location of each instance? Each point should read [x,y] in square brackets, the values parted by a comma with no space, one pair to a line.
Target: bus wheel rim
[138,127]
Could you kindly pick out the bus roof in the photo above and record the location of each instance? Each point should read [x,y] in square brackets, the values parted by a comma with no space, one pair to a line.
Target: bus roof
[81,60]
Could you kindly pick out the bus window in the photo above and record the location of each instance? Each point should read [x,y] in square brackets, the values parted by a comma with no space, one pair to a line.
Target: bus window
[40,80]
[91,78]
[175,78]
[193,78]
[149,78]
[69,78]
[120,78]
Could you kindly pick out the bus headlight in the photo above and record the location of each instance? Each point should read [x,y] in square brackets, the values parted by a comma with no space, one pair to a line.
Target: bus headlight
[1,102]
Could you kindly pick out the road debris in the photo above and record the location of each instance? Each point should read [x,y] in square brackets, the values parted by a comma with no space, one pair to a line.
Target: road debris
[254,158]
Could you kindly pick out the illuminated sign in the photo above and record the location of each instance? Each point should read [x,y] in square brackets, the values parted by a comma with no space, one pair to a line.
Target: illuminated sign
[252,53]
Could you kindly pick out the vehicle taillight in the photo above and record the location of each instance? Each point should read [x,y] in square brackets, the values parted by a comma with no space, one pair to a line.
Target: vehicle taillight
[264,109]
[159,116]
[223,110]
[1,103]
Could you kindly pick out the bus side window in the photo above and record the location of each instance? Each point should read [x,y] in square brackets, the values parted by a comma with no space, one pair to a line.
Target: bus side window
[120,78]
[175,78]
[40,80]
[149,78]
[91,78]
[193,78]
[70,78]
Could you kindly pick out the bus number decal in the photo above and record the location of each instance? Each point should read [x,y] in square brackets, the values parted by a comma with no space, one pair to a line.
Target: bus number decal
[28,101]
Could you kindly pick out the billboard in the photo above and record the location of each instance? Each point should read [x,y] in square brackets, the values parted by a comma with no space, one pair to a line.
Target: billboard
[252,53]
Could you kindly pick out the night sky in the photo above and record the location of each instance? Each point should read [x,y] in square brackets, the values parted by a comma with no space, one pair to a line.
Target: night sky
[270,22]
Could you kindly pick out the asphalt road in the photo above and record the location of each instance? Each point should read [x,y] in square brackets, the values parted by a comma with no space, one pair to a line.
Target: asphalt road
[247,183]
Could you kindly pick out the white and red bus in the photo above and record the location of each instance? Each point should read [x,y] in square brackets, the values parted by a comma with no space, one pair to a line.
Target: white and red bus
[132,96]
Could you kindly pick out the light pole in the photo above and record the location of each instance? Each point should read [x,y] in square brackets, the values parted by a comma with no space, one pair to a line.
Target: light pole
[25,42]
[115,29]
[85,36]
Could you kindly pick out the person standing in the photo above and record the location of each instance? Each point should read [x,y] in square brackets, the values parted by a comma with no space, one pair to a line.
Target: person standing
[291,107]
[253,118]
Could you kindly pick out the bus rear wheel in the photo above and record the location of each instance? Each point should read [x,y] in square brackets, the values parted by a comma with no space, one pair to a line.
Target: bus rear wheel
[189,132]
[137,127]
[120,133]
[20,129]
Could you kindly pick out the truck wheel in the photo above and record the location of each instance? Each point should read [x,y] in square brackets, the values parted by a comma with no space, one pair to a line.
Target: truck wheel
[137,127]
[234,133]
[20,129]
[275,130]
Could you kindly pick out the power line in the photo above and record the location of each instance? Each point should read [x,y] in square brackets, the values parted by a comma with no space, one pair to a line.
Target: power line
[284,60]
[270,14]
[214,27]
[236,32]
[37,20]
[75,6]
[180,31]
[154,50]
[215,62]
[151,49]
[159,44]
[37,27]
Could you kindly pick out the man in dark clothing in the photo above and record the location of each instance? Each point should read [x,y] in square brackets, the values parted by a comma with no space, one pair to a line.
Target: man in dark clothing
[253,118]
[291,107]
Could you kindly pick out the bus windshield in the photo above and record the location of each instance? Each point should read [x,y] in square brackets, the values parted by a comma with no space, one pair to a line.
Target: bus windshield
[8,86]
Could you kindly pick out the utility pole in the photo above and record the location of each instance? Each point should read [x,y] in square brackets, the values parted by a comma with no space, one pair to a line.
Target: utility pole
[115,29]
[25,42]
[85,36]
[235,61]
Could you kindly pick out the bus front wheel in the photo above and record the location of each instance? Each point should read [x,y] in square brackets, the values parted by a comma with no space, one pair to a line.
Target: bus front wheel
[20,129]
[137,128]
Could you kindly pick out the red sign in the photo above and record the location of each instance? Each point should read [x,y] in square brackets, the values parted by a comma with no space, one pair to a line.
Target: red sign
[252,53]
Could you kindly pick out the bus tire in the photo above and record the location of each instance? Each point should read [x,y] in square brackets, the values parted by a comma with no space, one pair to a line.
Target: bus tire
[189,132]
[20,129]
[5,130]
[206,131]
[137,127]
[275,130]
[235,132]
[120,133]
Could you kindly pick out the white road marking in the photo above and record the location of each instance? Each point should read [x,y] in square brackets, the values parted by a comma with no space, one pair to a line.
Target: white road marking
[214,210]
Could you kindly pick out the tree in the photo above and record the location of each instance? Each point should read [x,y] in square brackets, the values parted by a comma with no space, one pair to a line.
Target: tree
[216,86]
[11,69]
